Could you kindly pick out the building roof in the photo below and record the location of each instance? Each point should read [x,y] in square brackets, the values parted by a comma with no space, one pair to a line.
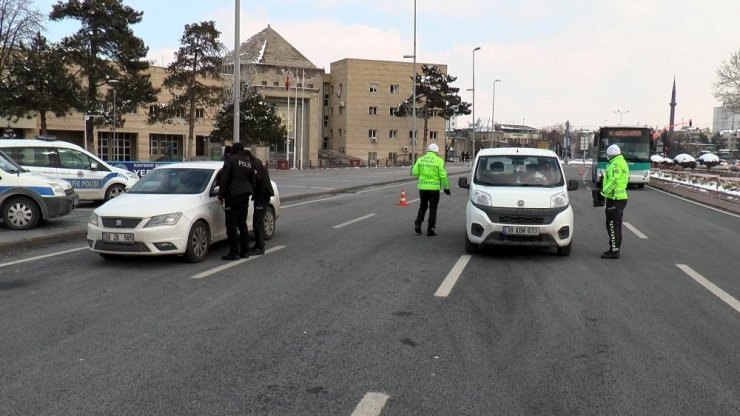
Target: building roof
[269,48]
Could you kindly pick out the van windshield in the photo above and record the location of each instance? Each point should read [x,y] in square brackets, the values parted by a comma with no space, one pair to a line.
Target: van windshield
[8,165]
[518,170]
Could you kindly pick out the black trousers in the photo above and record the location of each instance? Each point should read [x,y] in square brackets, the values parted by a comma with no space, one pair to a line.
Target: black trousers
[614,211]
[237,208]
[258,222]
[429,199]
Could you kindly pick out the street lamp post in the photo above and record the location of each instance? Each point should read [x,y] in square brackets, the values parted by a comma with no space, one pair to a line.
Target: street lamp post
[474,50]
[493,108]
[621,113]
[114,145]
[413,95]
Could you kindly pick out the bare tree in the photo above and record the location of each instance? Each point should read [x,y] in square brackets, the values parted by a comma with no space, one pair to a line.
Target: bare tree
[18,24]
[727,86]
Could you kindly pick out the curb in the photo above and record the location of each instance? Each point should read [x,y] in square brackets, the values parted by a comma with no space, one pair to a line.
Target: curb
[716,200]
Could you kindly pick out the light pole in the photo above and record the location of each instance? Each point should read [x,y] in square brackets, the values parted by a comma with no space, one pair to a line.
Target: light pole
[493,108]
[114,145]
[413,95]
[474,50]
[237,73]
[621,113]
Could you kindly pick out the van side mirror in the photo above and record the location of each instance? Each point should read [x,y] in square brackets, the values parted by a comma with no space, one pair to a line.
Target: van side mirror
[94,165]
[463,182]
[572,185]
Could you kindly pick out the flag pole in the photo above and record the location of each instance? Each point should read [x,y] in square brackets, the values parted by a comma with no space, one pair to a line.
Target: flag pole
[303,104]
[295,124]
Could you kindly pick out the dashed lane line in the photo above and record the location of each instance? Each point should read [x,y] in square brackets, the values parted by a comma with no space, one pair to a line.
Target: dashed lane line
[635,230]
[371,405]
[734,303]
[353,221]
[233,264]
[446,287]
[58,253]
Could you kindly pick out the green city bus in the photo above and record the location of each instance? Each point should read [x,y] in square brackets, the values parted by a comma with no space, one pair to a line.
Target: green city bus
[636,146]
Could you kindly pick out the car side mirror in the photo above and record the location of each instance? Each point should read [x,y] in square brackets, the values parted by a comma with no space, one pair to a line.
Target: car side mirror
[463,182]
[572,185]
[94,165]
[214,191]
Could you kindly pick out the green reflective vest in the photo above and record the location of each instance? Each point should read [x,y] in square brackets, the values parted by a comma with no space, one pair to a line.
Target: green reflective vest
[616,177]
[430,170]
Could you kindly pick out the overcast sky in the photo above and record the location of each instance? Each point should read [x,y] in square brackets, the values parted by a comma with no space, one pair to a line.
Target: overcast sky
[579,60]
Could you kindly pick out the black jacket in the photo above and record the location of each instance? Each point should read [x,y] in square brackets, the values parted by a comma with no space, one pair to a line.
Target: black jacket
[263,186]
[238,176]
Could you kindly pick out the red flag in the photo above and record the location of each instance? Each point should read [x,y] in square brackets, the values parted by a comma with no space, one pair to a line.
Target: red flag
[287,82]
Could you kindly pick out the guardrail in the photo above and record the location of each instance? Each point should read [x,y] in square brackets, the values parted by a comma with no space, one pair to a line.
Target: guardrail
[704,180]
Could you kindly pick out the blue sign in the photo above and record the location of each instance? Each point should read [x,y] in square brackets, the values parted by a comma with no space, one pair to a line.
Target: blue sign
[139,168]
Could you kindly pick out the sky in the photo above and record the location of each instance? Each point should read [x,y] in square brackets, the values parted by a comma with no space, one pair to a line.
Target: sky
[590,62]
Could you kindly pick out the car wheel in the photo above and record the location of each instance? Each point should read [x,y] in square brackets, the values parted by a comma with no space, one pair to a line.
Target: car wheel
[114,191]
[640,185]
[21,213]
[110,256]
[198,242]
[470,247]
[269,223]
[565,251]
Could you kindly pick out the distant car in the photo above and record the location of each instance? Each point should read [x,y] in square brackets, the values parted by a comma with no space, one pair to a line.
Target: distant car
[173,209]
[735,166]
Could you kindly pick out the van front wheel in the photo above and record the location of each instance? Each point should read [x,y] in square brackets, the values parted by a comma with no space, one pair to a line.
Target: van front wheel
[114,191]
[21,213]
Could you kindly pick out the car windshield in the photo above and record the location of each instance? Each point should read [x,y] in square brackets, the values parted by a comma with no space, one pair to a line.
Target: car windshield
[8,165]
[173,181]
[517,170]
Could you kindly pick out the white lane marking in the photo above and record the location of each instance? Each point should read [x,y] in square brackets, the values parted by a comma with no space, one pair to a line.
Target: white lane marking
[734,303]
[313,201]
[695,203]
[635,230]
[446,287]
[413,200]
[233,264]
[395,185]
[353,221]
[58,253]
[371,405]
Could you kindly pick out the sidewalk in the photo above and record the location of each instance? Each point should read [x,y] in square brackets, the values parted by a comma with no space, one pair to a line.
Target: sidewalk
[293,186]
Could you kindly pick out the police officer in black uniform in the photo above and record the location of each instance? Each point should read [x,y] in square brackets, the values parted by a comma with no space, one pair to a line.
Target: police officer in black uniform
[262,193]
[236,186]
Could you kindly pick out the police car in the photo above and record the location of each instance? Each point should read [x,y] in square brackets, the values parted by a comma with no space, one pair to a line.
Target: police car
[27,198]
[92,178]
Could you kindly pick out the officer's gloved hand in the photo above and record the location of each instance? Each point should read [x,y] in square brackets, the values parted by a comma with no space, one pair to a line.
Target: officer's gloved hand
[447,191]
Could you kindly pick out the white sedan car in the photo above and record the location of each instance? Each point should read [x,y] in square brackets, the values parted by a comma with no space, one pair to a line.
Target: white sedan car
[173,209]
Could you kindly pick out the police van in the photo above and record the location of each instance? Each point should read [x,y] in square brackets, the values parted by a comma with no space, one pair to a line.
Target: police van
[92,178]
[27,198]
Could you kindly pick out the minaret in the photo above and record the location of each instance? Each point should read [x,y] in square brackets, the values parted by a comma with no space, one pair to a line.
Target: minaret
[673,105]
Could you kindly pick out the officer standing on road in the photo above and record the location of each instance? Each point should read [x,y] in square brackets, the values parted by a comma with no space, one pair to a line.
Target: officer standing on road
[262,193]
[432,176]
[236,186]
[614,191]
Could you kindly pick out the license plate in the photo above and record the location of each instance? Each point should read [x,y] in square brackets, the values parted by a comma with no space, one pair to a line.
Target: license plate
[521,231]
[127,238]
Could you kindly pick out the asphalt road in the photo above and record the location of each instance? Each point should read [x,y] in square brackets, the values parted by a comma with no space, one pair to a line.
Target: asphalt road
[340,316]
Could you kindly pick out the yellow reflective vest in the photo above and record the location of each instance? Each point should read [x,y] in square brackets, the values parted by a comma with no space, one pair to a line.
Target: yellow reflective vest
[430,169]
[616,177]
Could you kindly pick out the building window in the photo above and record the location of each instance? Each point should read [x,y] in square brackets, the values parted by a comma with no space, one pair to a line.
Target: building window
[326,101]
[120,149]
[339,133]
[392,111]
[164,146]
[153,109]
[264,83]
[309,86]
[372,134]
[374,87]
[326,121]
[339,90]
[200,113]
[275,84]
[341,110]
[373,110]
[394,89]
[433,135]
[393,134]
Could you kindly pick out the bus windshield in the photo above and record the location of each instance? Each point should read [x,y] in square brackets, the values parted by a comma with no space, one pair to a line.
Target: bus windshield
[634,143]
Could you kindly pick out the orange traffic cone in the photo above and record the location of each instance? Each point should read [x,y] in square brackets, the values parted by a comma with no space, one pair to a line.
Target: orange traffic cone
[402,202]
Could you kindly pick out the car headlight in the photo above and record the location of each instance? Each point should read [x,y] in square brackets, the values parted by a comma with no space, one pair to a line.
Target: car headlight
[58,189]
[482,198]
[559,200]
[163,220]
[94,219]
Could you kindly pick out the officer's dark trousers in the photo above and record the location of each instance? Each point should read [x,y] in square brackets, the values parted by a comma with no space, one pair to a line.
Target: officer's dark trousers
[236,223]
[429,199]
[258,222]
[614,211]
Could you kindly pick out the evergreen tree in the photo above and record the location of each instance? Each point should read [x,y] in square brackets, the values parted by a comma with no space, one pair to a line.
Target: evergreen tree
[435,97]
[259,122]
[197,61]
[38,82]
[105,49]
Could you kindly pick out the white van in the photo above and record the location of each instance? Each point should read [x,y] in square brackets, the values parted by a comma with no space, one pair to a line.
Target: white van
[518,197]
[27,198]
[93,179]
